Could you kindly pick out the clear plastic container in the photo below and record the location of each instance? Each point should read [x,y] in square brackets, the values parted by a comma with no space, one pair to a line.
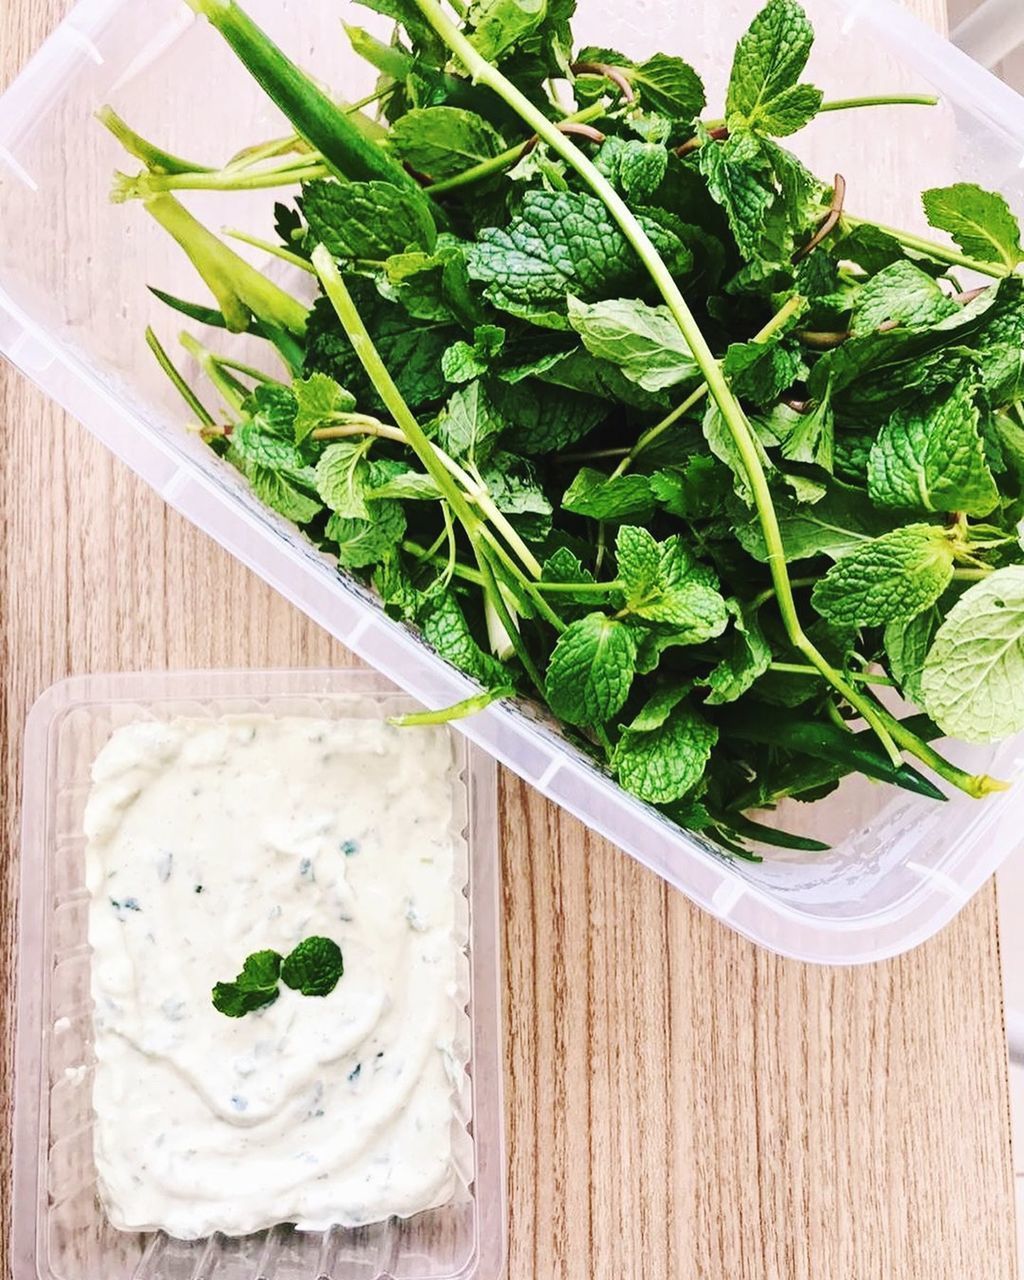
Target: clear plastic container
[59,1228]
[73,307]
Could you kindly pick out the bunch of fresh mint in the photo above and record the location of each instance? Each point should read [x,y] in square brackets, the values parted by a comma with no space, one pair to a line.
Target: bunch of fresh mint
[626,410]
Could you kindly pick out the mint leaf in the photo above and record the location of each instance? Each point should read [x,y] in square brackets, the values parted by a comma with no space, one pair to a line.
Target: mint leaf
[906,647]
[903,294]
[695,488]
[280,494]
[277,472]
[431,286]
[748,656]
[740,179]
[979,221]
[318,399]
[890,579]
[662,763]
[763,91]
[469,425]
[443,141]
[546,418]
[637,168]
[314,967]
[843,521]
[645,342]
[812,437]
[365,541]
[464,361]
[367,219]
[973,678]
[594,494]
[254,987]
[512,484]
[663,582]
[723,446]
[446,630]
[497,25]
[565,567]
[931,458]
[562,242]
[341,477]
[669,86]
[762,371]
[591,670]
[272,410]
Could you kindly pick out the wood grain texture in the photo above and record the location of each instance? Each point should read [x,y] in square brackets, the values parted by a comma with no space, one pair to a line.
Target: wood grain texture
[680,1104]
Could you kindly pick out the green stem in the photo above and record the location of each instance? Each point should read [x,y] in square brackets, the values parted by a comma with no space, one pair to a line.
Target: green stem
[659,429]
[497,601]
[218,180]
[241,291]
[525,585]
[151,156]
[769,593]
[851,104]
[458,711]
[321,123]
[181,386]
[997,270]
[976,785]
[249,370]
[581,588]
[431,555]
[268,246]
[486,168]
[228,388]
[884,100]
[800,669]
[972,575]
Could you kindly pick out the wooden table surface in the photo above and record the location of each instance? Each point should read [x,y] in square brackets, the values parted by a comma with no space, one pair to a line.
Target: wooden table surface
[679,1103]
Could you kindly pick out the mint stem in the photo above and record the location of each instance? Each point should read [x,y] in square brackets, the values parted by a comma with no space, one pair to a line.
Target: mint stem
[458,711]
[492,591]
[487,168]
[320,122]
[205,418]
[482,72]
[153,157]
[800,669]
[997,270]
[283,175]
[267,246]
[240,290]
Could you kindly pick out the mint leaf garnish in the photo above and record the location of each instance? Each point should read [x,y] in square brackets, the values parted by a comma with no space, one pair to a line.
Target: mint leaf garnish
[255,986]
[314,967]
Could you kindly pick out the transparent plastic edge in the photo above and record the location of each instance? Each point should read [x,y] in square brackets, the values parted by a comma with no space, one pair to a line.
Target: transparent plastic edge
[29,1093]
[968,85]
[28,1087]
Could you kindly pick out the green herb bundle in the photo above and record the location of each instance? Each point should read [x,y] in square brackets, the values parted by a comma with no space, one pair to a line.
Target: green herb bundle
[625,409]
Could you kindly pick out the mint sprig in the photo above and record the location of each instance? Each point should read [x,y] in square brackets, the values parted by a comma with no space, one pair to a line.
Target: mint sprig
[312,968]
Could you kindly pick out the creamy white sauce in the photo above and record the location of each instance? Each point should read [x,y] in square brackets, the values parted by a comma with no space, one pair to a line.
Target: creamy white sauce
[210,839]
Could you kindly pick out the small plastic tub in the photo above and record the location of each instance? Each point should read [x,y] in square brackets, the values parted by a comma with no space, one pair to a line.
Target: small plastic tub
[60,1231]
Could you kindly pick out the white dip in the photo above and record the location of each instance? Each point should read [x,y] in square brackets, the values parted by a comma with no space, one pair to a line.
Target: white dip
[211,839]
